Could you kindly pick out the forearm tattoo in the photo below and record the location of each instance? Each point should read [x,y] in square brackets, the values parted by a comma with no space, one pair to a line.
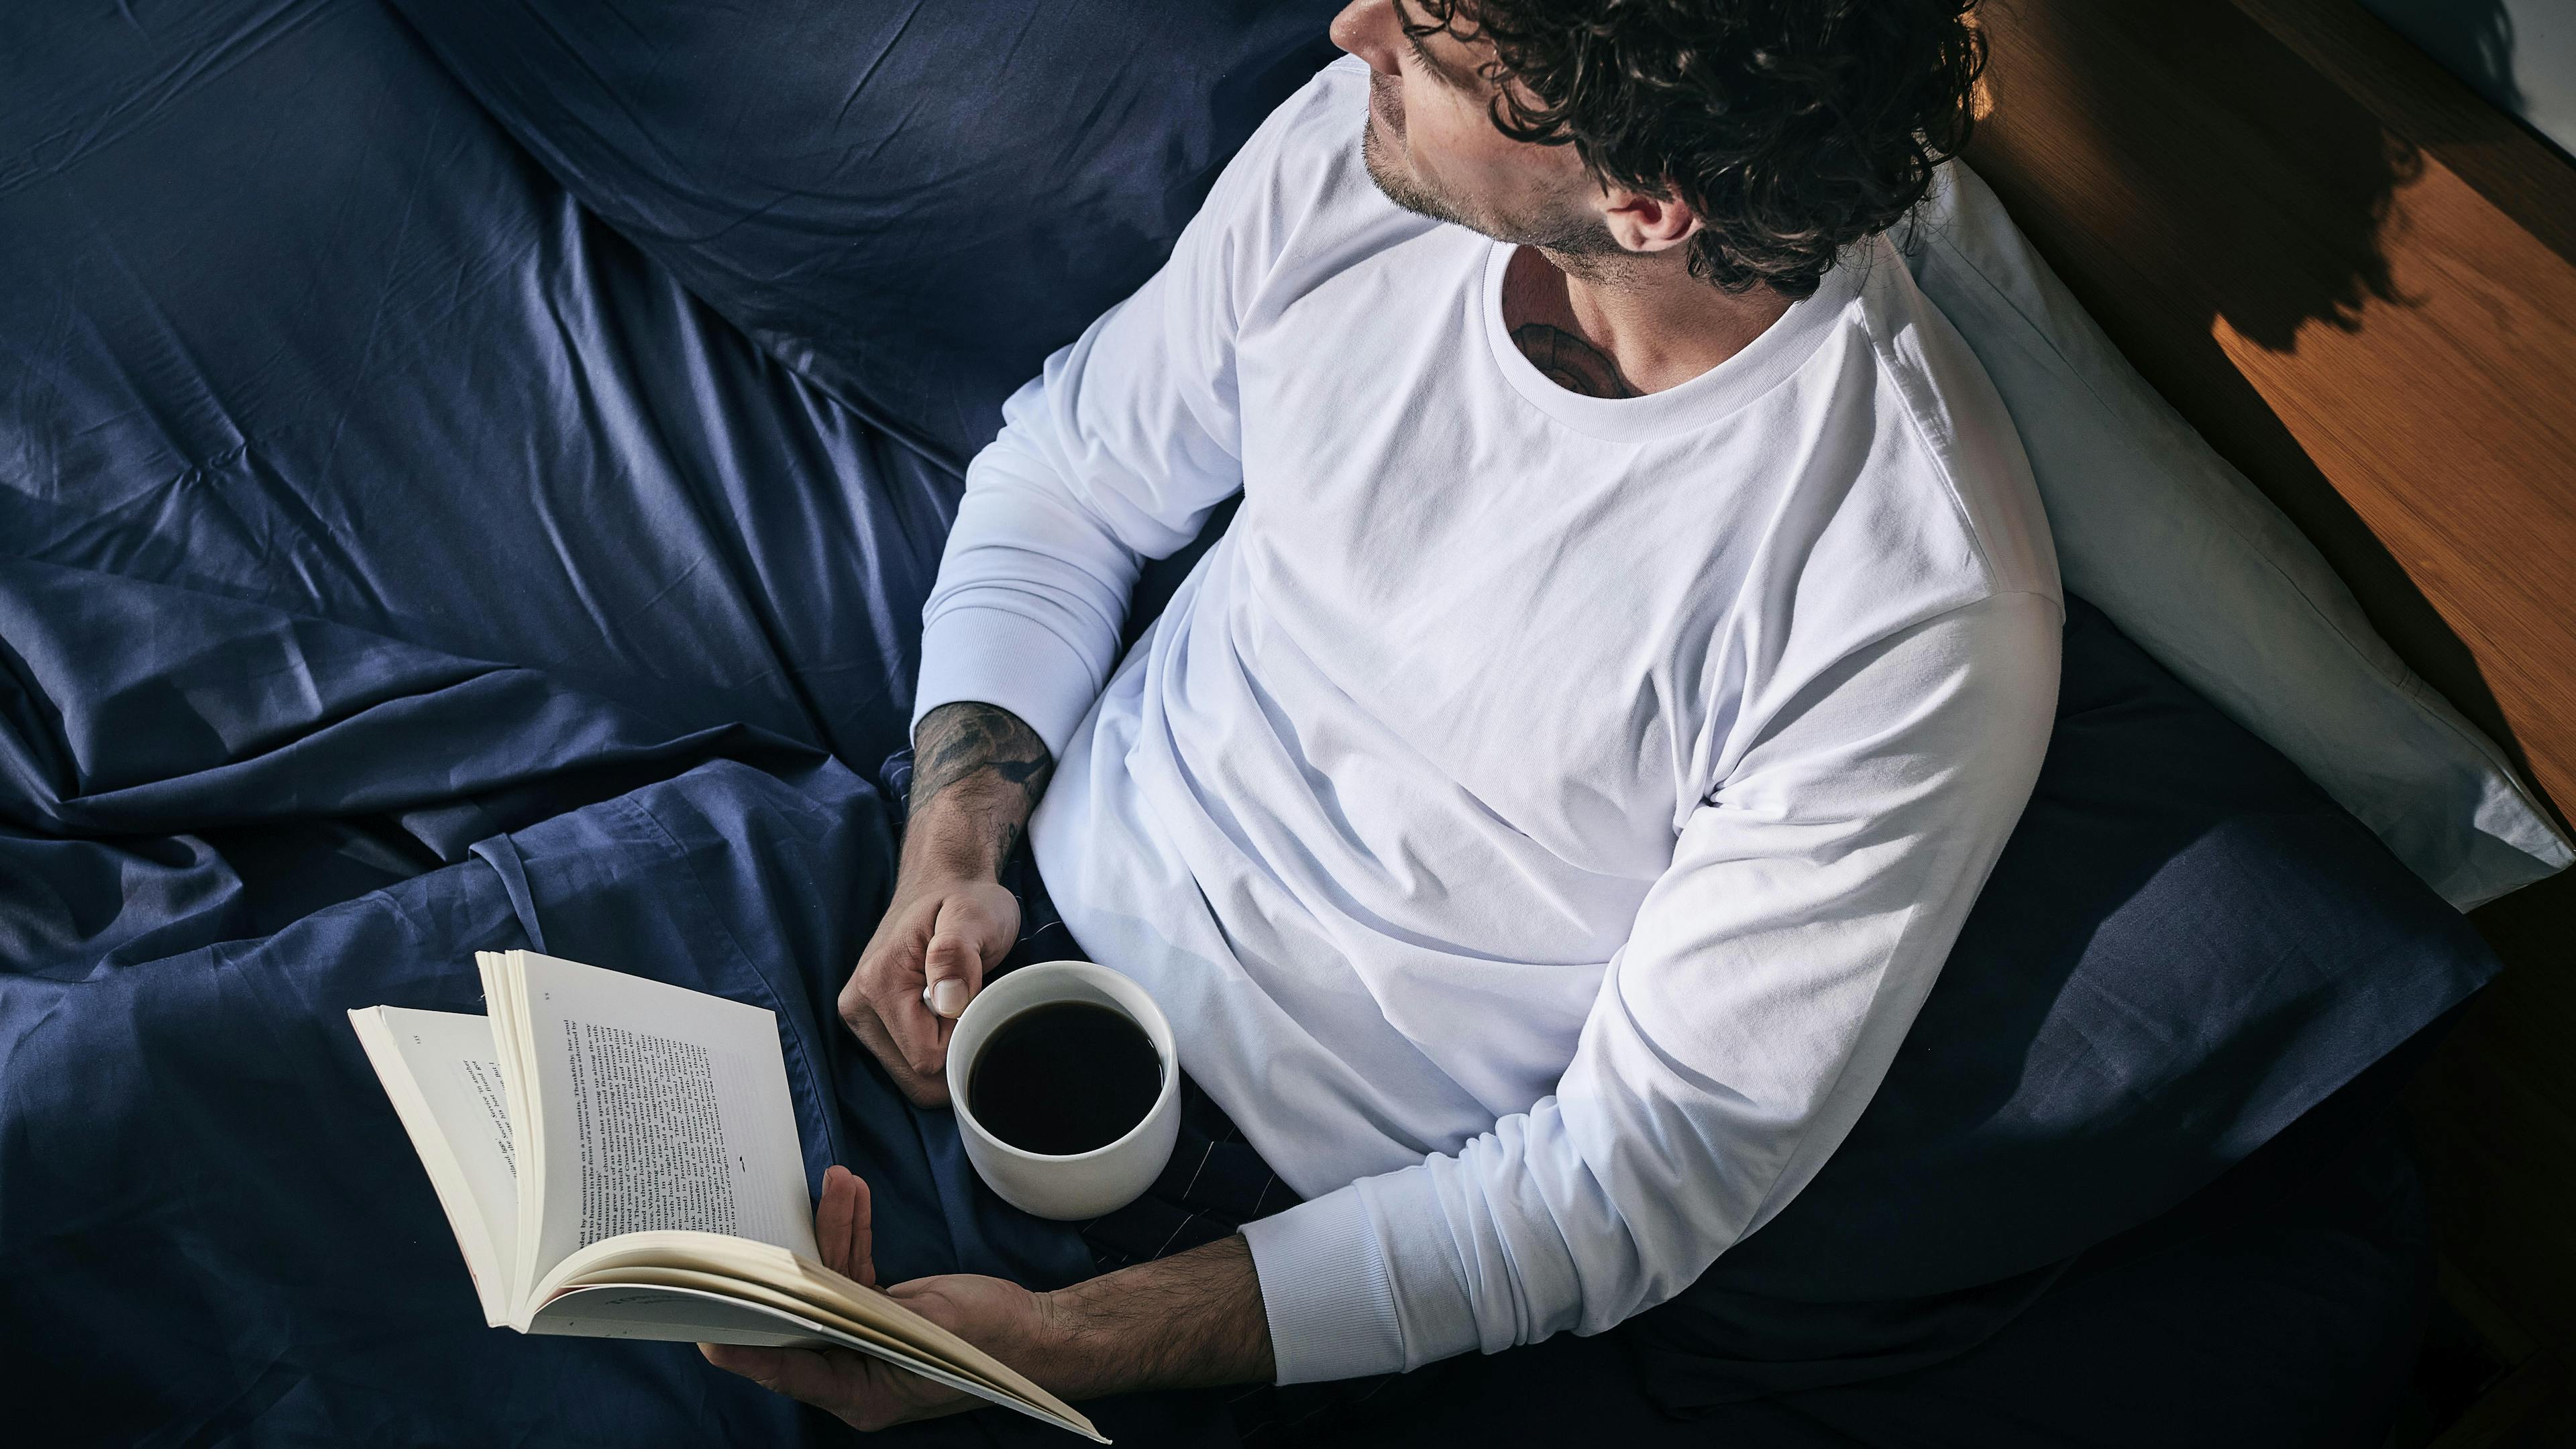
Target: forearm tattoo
[1572,363]
[983,762]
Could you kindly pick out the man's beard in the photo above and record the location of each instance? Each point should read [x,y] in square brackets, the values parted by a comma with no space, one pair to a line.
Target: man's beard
[1400,189]
[1565,231]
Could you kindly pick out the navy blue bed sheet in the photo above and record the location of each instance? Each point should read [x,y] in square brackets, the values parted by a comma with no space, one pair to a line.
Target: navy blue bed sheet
[397,559]
[297,347]
[912,201]
[362,498]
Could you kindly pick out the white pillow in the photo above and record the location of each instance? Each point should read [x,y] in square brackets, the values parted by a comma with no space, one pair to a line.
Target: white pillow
[2205,574]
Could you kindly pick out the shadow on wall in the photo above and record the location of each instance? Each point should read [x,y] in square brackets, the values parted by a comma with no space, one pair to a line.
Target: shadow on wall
[2151,132]
[2191,179]
[2483,42]
[2486,29]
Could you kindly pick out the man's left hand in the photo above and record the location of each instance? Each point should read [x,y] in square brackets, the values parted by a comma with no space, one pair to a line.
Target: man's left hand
[995,1315]
[1191,1319]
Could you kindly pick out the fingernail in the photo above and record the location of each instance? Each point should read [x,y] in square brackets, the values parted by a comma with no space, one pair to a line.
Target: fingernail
[948,997]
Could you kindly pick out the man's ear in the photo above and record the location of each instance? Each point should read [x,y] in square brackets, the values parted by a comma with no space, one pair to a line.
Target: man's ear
[1642,223]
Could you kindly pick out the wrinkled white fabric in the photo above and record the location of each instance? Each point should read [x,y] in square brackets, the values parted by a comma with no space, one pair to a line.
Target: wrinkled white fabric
[1541,816]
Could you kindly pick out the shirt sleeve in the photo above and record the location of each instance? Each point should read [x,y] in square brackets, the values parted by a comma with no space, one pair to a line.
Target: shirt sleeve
[1764,988]
[1115,453]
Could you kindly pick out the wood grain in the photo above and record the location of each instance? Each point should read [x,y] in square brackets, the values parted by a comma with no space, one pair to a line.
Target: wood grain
[2358,280]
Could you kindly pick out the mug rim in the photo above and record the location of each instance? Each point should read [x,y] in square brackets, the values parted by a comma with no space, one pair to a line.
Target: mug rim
[1081,970]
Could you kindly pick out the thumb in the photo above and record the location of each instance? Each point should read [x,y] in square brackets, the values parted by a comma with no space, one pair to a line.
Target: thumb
[962,940]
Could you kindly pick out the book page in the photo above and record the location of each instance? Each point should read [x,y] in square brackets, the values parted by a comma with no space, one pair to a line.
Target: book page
[657,1109]
[443,1074]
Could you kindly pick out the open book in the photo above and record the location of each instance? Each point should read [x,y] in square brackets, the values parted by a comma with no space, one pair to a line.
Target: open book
[619,1160]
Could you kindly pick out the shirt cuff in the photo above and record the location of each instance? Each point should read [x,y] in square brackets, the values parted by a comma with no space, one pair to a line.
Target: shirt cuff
[1325,1290]
[1007,660]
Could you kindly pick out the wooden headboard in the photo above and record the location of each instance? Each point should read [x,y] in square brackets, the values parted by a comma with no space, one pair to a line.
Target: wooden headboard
[2358,279]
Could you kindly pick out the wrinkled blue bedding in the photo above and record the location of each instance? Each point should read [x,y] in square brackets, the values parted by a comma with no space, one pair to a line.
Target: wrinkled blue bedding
[397,559]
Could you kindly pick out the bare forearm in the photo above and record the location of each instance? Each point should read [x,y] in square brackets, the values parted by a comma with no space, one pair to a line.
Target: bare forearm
[977,772]
[1186,1321]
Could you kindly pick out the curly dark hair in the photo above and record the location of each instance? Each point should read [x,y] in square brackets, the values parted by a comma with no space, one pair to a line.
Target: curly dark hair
[1792,127]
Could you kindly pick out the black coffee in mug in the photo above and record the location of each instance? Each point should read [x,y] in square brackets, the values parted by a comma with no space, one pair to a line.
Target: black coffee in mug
[1066,1077]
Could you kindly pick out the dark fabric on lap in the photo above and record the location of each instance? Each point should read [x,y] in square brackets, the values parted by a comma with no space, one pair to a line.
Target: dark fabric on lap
[1214,1185]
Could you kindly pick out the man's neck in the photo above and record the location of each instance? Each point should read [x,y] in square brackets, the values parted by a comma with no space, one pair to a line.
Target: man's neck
[1628,326]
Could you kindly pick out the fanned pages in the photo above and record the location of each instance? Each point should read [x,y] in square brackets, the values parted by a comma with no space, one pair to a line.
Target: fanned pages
[444,1077]
[618,1159]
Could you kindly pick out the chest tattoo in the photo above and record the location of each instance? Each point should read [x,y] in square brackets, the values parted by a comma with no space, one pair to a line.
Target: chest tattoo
[1570,362]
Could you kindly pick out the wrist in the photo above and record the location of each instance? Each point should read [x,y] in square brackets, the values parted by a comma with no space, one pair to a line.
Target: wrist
[1074,1357]
[944,840]
[977,773]
[1188,1321]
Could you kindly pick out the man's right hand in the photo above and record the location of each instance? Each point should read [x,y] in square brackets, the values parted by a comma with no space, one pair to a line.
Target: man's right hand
[937,939]
[977,773]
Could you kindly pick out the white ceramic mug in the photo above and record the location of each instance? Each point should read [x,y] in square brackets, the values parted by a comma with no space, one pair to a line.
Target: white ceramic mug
[1086,1184]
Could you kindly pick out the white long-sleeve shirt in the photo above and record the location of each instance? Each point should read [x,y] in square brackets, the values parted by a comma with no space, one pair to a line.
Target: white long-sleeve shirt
[1540,815]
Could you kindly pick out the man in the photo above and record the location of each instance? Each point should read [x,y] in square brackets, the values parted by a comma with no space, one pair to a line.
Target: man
[1543,812]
